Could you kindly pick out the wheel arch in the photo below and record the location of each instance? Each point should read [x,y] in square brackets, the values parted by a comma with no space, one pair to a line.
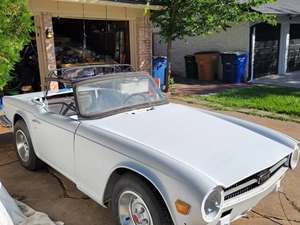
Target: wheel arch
[146,175]
[18,117]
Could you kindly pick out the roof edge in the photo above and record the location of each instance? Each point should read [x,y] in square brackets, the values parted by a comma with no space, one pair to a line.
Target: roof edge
[114,3]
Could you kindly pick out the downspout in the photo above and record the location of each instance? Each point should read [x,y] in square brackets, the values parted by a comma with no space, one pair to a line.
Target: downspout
[252,51]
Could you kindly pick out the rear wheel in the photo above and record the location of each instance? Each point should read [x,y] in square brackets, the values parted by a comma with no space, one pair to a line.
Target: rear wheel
[134,202]
[24,148]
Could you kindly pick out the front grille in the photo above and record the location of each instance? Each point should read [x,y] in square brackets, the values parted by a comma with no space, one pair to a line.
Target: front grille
[253,181]
[241,191]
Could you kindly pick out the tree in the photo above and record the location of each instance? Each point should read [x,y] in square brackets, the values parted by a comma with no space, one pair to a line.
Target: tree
[15,29]
[181,18]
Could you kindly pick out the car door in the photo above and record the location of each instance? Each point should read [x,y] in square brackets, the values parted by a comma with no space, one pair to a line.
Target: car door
[54,140]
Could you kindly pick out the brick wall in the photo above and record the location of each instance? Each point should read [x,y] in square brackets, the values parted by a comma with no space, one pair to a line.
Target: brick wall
[144,44]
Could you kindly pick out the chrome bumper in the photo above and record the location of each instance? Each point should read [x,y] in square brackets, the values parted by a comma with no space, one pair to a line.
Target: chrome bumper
[236,207]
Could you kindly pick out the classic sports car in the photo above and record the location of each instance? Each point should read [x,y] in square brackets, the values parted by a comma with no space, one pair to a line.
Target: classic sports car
[115,135]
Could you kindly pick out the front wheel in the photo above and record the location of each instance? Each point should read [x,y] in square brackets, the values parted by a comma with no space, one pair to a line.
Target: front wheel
[134,202]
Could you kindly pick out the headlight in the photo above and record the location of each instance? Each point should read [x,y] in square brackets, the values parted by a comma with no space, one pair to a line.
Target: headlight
[294,159]
[212,204]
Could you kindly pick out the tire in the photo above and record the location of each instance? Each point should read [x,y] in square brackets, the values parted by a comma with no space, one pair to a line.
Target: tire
[24,147]
[144,195]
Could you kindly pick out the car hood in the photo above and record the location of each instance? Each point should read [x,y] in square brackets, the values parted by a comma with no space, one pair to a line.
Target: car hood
[225,151]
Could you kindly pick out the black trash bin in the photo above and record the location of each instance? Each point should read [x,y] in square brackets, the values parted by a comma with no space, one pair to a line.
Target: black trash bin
[191,69]
[234,66]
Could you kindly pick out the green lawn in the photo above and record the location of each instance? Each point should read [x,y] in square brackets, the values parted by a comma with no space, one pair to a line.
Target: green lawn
[267,98]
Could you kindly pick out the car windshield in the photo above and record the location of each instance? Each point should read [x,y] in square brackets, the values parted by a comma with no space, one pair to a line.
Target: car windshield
[117,93]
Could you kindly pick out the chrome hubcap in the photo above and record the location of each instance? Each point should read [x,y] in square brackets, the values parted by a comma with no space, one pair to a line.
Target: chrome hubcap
[133,210]
[22,145]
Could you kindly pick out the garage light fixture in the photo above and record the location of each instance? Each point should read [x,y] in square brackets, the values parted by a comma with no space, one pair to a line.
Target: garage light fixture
[49,33]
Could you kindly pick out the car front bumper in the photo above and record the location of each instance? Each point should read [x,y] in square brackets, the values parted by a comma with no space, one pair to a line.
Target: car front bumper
[238,206]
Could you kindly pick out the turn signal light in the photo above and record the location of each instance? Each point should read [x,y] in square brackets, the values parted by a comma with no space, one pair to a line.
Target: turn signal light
[182,207]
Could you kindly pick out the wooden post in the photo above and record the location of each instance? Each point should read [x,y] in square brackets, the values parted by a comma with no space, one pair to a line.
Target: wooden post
[144,44]
[45,47]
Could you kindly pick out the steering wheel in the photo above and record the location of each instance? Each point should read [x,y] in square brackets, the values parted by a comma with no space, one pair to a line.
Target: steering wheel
[144,96]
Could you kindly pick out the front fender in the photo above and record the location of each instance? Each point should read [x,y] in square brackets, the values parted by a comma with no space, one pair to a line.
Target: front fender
[173,179]
[170,190]
[150,176]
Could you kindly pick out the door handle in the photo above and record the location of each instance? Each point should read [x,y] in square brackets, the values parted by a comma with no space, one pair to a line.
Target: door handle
[36,121]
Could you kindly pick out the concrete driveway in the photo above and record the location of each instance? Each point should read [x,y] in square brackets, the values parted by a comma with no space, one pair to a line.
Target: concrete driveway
[53,194]
[289,80]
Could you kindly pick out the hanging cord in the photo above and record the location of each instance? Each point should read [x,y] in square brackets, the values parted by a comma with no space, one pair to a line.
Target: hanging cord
[146,17]
[84,32]
[105,34]
[106,19]
[57,9]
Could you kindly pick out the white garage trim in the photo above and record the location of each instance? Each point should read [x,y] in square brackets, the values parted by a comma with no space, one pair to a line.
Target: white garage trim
[284,48]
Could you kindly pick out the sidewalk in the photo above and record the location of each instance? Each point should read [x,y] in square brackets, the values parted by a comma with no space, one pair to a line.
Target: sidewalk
[290,80]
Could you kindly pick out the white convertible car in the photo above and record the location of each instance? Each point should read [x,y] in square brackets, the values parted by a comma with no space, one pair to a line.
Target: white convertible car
[116,136]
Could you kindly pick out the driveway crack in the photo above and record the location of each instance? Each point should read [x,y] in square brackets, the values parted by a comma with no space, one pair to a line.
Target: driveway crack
[292,203]
[283,209]
[271,218]
[8,163]
[65,192]
[274,218]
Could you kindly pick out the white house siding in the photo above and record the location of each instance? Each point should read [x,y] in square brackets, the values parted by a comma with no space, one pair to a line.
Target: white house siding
[235,38]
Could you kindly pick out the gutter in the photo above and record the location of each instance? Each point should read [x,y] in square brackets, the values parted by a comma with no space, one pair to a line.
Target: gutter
[114,3]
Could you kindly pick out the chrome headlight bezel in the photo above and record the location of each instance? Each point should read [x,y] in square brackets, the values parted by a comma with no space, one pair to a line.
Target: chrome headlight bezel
[216,214]
[294,158]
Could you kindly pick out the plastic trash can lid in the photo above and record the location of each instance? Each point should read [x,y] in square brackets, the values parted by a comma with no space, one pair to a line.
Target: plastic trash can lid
[207,52]
[159,57]
[234,53]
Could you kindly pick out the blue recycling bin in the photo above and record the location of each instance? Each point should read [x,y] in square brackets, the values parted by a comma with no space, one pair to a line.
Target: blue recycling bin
[234,66]
[1,101]
[159,69]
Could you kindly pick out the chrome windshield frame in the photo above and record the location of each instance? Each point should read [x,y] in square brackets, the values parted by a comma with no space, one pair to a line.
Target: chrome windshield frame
[58,74]
[116,111]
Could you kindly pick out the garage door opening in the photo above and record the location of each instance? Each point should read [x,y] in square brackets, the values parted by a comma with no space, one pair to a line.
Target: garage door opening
[266,49]
[81,42]
[294,49]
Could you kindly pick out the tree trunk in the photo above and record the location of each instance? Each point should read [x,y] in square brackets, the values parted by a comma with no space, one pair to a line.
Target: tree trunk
[169,66]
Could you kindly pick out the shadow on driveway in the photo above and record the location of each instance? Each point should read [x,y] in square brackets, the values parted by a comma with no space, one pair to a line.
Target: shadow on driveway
[50,192]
